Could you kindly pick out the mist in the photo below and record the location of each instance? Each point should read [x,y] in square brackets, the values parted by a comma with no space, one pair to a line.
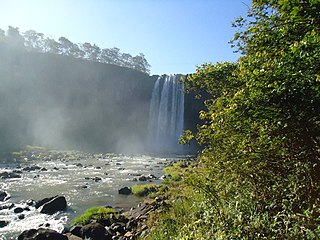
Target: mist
[66,103]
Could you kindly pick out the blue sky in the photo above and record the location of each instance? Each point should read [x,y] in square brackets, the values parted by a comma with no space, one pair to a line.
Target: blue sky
[174,35]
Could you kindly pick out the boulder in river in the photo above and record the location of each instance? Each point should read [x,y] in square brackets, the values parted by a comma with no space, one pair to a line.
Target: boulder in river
[18,210]
[3,223]
[3,196]
[41,233]
[56,204]
[6,175]
[125,191]
[7,206]
[31,168]
[43,201]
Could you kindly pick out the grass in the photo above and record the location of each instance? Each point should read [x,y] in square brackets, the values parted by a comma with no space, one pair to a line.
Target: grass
[176,171]
[230,212]
[94,213]
[142,190]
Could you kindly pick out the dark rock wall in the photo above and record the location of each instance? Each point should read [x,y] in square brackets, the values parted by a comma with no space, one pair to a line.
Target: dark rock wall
[67,103]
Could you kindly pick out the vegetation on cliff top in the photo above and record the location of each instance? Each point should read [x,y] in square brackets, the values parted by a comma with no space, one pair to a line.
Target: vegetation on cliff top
[38,42]
[258,175]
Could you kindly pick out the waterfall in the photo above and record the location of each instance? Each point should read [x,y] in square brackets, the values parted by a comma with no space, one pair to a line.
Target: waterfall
[166,115]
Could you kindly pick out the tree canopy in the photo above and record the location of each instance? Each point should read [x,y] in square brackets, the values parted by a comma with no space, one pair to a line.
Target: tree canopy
[261,129]
[34,41]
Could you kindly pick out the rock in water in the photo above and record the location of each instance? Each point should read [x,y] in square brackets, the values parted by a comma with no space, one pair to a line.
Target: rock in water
[3,223]
[3,196]
[41,234]
[43,201]
[56,204]
[125,191]
[6,175]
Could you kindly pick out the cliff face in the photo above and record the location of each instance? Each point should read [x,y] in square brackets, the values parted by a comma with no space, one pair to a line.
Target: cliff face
[67,103]
[63,102]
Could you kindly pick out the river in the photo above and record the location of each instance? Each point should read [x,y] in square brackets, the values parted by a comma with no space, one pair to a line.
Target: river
[86,180]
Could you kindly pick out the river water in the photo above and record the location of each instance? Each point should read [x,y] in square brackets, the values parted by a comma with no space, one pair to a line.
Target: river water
[86,180]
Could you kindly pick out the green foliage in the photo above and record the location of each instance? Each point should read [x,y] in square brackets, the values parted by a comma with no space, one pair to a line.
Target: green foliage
[144,189]
[175,171]
[94,213]
[34,41]
[258,175]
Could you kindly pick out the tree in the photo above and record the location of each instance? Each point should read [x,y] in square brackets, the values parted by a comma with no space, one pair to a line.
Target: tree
[34,40]
[262,123]
[126,60]
[141,64]
[91,52]
[111,55]
[52,46]
[106,56]
[14,37]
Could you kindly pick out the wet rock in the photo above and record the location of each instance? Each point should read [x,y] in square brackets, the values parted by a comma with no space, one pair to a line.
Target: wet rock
[30,202]
[43,201]
[94,231]
[118,227]
[7,206]
[31,168]
[18,210]
[125,191]
[151,176]
[143,178]
[41,234]
[97,179]
[73,237]
[128,235]
[26,209]
[3,196]
[56,204]
[6,175]
[134,174]
[76,230]
[3,223]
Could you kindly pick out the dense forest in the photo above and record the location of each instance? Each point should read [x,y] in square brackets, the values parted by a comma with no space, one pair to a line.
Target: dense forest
[38,42]
[258,175]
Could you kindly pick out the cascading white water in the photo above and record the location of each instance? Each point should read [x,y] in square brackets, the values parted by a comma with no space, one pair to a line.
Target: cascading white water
[166,116]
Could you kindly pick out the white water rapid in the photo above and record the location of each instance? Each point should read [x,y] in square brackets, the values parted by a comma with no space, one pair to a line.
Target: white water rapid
[166,116]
